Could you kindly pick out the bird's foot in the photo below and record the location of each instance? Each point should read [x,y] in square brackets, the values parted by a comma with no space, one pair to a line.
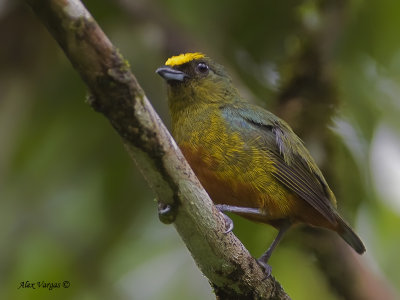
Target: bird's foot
[267,268]
[236,209]
[228,224]
[228,221]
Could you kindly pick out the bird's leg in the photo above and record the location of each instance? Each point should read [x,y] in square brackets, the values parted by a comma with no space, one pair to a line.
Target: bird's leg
[263,260]
[235,209]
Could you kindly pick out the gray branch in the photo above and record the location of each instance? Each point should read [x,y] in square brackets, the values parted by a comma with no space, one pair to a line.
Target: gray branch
[115,92]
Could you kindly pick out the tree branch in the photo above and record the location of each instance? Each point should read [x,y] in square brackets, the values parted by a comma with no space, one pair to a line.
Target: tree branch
[115,92]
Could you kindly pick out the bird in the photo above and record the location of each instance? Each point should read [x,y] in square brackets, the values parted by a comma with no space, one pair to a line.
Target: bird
[249,161]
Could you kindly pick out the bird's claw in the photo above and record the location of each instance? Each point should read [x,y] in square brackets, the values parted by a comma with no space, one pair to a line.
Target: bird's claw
[229,223]
[267,268]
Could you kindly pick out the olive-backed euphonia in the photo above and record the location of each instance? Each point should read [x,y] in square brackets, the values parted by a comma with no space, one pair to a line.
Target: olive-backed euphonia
[249,161]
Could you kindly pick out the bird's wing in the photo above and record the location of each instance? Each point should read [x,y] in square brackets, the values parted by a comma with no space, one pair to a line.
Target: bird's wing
[294,166]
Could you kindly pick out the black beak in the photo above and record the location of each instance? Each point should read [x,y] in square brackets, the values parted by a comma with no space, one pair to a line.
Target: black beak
[170,74]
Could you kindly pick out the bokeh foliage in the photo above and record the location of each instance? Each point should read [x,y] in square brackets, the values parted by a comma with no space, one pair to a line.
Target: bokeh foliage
[73,205]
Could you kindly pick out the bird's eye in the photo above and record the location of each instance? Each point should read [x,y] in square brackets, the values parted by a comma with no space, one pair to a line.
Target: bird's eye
[202,68]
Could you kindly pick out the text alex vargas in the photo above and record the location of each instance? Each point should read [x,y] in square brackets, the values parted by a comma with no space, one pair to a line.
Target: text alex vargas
[41,285]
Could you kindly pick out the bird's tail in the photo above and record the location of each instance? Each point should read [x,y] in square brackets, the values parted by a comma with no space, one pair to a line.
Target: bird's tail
[350,236]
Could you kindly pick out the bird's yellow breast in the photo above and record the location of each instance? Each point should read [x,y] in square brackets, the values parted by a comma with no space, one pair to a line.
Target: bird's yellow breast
[232,170]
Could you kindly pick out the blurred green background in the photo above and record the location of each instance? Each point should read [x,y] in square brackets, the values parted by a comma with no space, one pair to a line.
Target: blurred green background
[75,208]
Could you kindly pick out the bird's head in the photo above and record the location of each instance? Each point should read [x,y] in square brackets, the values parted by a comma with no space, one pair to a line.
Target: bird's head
[195,78]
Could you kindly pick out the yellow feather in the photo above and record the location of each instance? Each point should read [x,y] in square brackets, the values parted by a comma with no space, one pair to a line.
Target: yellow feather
[183,58]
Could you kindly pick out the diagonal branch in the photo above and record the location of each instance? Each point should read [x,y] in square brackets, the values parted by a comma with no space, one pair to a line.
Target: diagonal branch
[115,92]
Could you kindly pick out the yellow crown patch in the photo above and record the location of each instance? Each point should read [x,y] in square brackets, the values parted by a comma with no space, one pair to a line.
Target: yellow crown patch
[183,58]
